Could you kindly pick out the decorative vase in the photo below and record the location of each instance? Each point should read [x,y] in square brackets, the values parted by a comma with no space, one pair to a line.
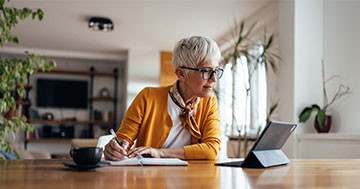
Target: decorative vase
[326,128]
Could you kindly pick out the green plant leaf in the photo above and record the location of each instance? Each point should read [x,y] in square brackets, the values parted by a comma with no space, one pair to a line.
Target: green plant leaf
[15,40]
[2,2]
[305,114]
[316,107]
[320,118]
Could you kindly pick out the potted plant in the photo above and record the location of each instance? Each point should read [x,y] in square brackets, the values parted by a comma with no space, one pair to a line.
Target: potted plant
[14,73]
[322,119]
[246,43]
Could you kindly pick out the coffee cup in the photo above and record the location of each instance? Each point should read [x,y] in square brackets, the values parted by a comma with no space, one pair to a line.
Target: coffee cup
[86,155]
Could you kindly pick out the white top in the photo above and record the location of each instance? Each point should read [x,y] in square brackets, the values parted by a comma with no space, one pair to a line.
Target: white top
[178,136]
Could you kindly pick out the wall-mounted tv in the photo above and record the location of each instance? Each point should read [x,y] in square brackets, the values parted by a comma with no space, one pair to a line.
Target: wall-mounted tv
[56,93]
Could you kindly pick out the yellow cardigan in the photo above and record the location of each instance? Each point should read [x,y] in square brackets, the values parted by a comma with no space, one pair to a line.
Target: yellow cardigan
[147,121]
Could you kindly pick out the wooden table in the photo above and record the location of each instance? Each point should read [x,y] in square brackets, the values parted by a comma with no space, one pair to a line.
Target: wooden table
[198,174]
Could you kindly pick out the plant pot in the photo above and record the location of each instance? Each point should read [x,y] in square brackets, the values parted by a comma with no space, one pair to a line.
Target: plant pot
[326,128]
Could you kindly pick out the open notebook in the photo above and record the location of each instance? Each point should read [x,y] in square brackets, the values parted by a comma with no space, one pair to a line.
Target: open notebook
[149,161]
[266,151]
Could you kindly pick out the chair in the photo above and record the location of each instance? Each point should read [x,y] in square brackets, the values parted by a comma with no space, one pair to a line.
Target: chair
[103,140]
[83,142]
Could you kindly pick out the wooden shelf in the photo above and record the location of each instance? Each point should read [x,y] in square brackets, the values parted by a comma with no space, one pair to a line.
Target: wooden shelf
[26,86]
[23,102]
[87,73]
[60,121]
[75,72]
[100,98]
[49,140]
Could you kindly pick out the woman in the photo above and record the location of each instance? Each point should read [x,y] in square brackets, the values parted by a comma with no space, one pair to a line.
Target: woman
[178,121]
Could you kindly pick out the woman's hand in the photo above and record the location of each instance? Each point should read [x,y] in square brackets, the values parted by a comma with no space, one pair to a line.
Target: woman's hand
[113,151]
[153,152]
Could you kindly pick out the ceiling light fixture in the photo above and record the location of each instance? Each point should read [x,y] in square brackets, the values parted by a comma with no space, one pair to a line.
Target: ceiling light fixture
[101,24]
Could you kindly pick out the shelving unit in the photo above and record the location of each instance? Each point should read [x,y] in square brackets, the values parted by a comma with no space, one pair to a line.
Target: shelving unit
[92,97]
[91,122]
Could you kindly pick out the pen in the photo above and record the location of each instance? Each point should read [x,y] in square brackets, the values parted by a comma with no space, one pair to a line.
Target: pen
[116,139]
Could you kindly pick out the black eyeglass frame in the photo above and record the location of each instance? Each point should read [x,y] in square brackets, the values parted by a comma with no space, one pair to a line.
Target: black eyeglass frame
[205,71]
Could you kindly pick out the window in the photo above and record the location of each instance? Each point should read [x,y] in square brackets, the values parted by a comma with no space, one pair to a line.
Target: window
[242,95]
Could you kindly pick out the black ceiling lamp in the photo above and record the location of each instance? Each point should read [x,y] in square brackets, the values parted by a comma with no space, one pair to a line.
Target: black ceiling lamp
[101,24]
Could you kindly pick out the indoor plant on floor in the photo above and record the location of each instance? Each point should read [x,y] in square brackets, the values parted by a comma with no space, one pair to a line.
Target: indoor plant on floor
[322,119]
[252,50]
[14,73]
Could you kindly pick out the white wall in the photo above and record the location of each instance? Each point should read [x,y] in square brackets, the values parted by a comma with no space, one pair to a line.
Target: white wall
[327,29]
[341,49]
[308,57]
[286,70]
[300,31]
[321,29]
[143,71]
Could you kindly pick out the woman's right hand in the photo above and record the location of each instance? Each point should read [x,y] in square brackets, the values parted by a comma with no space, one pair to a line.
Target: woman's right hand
[113,151]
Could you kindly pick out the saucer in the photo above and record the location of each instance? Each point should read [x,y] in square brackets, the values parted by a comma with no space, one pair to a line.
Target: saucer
[73,165]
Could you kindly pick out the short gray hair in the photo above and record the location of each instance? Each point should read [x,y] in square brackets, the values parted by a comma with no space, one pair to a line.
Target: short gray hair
[194,50]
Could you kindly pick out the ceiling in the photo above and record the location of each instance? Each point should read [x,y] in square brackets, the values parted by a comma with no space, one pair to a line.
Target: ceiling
[155,24]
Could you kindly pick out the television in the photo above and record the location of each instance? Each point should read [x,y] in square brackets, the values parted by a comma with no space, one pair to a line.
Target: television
[56,93]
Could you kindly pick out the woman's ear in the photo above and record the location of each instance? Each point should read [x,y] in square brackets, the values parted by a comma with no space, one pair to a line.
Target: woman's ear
[180,73]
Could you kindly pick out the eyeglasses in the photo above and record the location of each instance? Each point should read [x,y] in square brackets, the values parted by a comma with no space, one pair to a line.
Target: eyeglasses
[207,73]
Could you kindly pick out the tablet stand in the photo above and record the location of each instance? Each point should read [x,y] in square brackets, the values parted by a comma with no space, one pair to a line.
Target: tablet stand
[265,158]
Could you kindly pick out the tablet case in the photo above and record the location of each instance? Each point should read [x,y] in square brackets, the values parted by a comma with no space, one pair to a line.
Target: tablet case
[267,151]
[265,158]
